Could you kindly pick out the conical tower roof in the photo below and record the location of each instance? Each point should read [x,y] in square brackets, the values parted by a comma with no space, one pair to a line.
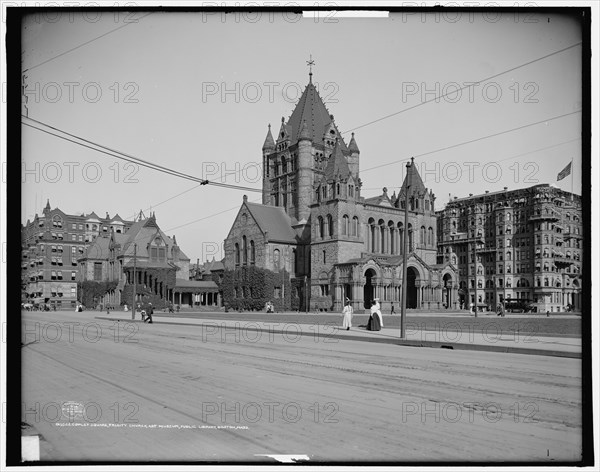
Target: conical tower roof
[310,108]
[412,176]
[353,146]
[269,142]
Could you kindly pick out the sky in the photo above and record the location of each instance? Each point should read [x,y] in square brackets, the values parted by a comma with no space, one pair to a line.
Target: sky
[195,92]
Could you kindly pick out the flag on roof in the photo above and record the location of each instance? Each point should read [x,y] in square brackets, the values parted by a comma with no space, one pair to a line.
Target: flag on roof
[563,173]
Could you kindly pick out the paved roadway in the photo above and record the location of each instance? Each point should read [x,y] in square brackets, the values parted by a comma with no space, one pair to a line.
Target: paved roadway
[98,390]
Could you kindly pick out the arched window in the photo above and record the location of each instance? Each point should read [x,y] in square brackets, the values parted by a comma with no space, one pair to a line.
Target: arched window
[422,236]
[351,191]
[329,225]
[244,250]
[283,165]
[321,227]
[337,189]
[410,237]
[276,259]
[345,225]
[508,256]
[355,226]
[237,254]
[252,253]
[430,236]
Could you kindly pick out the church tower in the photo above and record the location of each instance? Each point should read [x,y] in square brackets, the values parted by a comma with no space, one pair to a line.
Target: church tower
[295,159]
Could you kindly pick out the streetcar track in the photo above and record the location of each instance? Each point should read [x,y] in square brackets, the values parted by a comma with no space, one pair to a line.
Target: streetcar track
[152,400]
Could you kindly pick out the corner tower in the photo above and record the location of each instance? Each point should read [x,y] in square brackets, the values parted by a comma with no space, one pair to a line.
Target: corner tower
[295,159]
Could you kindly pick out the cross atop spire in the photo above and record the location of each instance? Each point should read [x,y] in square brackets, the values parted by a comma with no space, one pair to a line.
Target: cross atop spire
[310,63]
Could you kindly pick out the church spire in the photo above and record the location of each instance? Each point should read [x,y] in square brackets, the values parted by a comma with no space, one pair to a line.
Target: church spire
[310,63]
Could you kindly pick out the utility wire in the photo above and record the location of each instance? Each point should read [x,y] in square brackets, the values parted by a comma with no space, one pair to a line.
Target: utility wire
[128,157]
[465,87]
[87,42]
[498,160]
[476,139]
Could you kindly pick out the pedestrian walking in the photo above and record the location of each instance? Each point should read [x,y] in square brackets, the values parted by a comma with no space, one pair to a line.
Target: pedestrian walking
[149,313]
[347,316]
[392,311]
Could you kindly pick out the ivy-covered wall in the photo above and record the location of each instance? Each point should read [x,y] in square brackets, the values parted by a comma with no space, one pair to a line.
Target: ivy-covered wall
[90,292]
[250,288]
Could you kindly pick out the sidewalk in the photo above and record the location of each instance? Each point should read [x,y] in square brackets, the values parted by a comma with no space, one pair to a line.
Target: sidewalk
[492,341]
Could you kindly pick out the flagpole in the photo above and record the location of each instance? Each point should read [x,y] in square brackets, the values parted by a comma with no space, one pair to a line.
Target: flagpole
[572,179]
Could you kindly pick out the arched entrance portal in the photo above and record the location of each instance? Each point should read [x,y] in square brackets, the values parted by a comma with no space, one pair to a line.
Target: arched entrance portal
[411,288]
[447,291]
[368,293]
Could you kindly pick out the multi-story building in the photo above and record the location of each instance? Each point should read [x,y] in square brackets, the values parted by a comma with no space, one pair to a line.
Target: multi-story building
[523,244]
[51,245]
[336,244]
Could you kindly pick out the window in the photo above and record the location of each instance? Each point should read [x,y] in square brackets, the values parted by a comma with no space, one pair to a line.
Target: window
[237,254]
[355,226]
[321,227]
[252,253]
[53,275]
[330,225]
[244,250]
[73,226]
[345,225]
[73,237]
[324,257]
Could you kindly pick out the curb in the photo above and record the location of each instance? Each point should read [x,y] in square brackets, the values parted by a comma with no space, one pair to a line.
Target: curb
[395,341]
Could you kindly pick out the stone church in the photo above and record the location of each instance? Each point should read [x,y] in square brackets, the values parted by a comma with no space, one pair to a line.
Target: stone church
[334,242]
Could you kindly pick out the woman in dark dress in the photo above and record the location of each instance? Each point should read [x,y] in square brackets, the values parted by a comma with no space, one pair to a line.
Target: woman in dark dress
[374,323]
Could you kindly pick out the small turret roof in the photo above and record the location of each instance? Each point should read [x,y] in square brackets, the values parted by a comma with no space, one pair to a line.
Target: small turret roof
[269,142]
[352,146]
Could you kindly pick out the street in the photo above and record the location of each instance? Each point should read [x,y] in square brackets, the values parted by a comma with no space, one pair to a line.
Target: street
[101,390]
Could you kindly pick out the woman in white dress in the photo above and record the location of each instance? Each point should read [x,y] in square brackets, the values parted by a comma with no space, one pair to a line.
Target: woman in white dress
[347,315]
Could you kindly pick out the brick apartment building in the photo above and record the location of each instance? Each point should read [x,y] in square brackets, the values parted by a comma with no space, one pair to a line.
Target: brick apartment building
[51,245]
[527,244]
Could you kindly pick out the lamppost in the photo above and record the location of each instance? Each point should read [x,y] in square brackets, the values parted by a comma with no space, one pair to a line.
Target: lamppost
[405,250]
[134,287]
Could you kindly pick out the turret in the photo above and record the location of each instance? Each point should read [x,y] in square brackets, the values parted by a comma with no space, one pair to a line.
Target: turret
[353,159]
[268,148]
[305,162]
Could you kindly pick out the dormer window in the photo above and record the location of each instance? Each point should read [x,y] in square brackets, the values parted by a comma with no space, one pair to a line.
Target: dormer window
[158,250]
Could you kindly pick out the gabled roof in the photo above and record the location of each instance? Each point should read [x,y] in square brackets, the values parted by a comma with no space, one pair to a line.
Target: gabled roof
[92,216]
[382,199]
[274,221]
[141,233]
[337,165]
